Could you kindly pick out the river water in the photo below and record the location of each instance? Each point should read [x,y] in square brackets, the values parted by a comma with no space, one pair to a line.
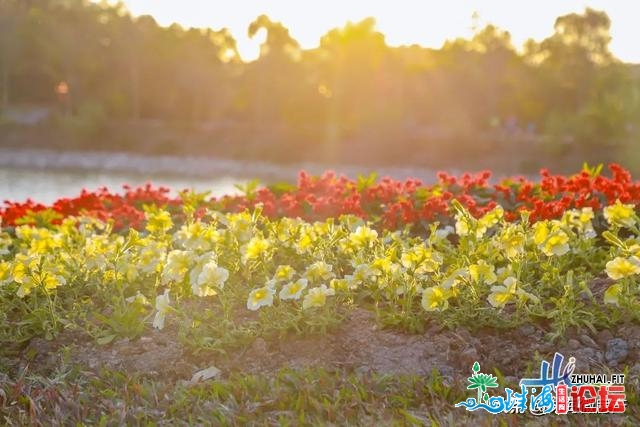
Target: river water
[46,175]
[45,186]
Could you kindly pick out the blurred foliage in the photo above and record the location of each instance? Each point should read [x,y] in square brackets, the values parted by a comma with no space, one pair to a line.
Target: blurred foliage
[567,88]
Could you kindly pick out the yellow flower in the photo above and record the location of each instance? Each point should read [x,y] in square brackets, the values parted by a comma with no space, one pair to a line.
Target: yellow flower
[462,224]
[94,253]
[483,272]
[162,307]
[551,240]
[363,237]
[26,285]
[422,259]
[540,232]
[340,284]
[286,228]
[284,273]
[260,297]
[127,269]
[586,215]
[151,256]
[256,247]
[489,220]
[612,294]
[451,282]
[241,226]
[556,244]
[138,298]
[196,236]
[623,267]
[322,228]
[158,222]
[504,294]
[501,295]
[293,290]
[5,272]
[41,240]
[319,271]
[306,240]
[317,297]
[361,274]
[621,215]
[51,281]
[580,219]
[178,264]
[210,276]
[383,265]
[435,298]
[512,241]
[24,273]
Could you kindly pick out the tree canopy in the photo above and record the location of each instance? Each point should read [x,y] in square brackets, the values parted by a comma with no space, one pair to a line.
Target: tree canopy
[568,85]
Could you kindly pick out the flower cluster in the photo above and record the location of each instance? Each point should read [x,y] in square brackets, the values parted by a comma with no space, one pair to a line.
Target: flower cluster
[126,210]
[388,203]
[248,260]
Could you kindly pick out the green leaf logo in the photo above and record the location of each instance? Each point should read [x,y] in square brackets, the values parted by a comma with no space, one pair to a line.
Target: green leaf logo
[481,382]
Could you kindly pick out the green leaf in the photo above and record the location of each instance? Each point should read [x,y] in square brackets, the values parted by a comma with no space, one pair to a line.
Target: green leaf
[613,239]
[43,218]
[280,188]
[366,182]
[106,339]
[249,189]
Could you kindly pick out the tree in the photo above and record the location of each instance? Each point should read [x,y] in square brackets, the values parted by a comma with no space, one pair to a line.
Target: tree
[278,42]
[575,61]
[572,56]
[273,78]
[352,69]
[10,15]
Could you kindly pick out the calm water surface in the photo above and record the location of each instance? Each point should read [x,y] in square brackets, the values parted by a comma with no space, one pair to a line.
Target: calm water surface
[46,175]
[18,184]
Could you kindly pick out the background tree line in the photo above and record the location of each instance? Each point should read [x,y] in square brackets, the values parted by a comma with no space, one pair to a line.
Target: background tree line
[567,90]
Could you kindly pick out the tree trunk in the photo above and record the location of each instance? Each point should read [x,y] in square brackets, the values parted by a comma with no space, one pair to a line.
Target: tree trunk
[5,83]
[134,75]
[5,87]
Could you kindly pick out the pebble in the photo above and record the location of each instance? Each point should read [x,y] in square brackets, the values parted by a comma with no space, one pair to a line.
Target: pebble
[634,372]
[588,341]
[446,370]
[469,356]
[363,370]
[632,335]
[574,344]
[259,346]
[526,330]
[586,357]
[617,350]
[603,337]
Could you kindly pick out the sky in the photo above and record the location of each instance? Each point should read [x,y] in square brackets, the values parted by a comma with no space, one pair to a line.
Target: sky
[425,22]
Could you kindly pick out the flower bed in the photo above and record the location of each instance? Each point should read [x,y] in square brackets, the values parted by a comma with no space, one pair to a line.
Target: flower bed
[220,275]
[486,270]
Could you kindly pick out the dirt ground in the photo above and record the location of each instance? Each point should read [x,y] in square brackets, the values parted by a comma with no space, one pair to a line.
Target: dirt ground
[358,345]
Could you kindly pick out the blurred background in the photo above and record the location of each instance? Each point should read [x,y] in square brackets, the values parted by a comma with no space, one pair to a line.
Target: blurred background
[96,93]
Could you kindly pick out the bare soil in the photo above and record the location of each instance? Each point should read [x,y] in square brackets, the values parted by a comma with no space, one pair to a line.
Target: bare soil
[358,345]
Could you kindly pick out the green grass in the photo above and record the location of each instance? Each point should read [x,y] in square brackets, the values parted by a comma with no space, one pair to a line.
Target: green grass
[287,397]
